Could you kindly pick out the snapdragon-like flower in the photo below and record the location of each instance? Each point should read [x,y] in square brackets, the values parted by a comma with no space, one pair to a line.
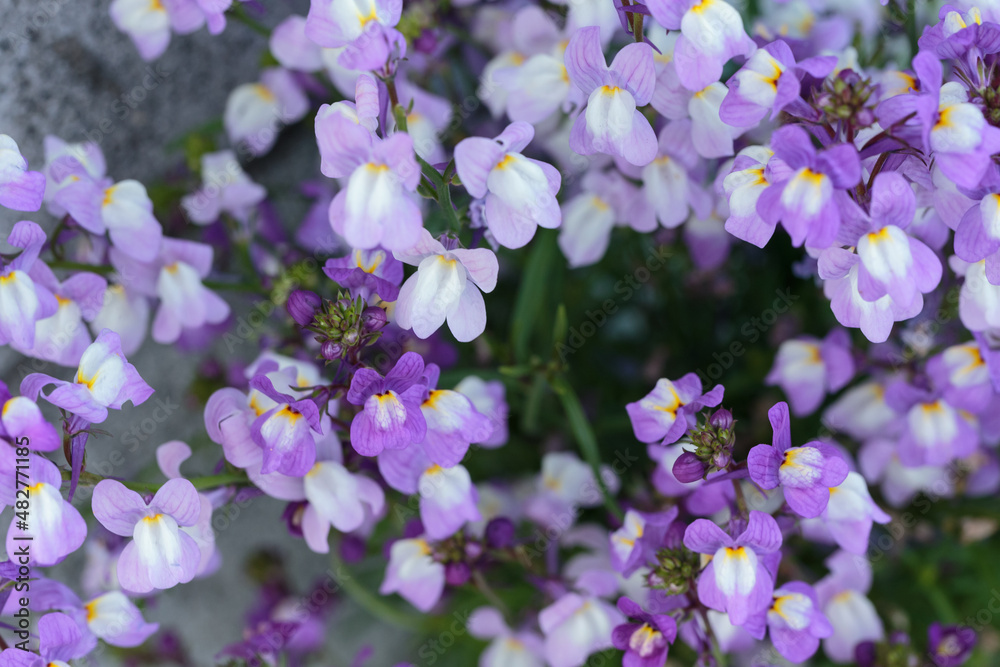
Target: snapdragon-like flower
[806,203]
[20,189]
[453,422]
[769,82]
[121,209]
[287,431]
[111,617]
[161,555]
[507,647]
[367,273]
[667,412]
[934,432]
[806,474]
[338,498]
[54,527]
[149,24]
[807,369]
[488,397]
[364,27]
[256,112]
[565,485]
[447,286]
[646,641]
[413,573]
[391,417]
[635,544]
[23,302]
[737,580]
[711,34]
[575,626]
[20,417]
[226,188]
[750,176]
[103,380]
[963,377]
[519,193]
[794,620]
[841,596]
[59,639]
[344,128]
[611,122]
[671,183]
[848,516]
[376,207]
[175,277]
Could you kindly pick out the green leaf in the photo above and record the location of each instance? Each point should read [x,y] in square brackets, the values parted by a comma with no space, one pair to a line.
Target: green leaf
[532,297]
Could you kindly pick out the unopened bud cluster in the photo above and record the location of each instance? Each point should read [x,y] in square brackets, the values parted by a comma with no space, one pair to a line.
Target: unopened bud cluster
[342,327]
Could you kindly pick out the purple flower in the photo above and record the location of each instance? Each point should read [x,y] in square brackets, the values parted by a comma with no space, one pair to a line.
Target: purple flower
[103,380]
[337,498]
[255,111]
[59,639]
[54,527]
[365,28]
[671,183]
[286,432]
[963,377]
[806,369]
[520,193]
[161,555]
[226,188]
[849,515]
[841,596]
[950,645]
[20,189]
[737,580]
[635,544]
[647,641]
[667,412]
[611,122]
[175,277]
[346,128]
[795,621]
[508,647]
[743,187]
[488,398]
[934,431]
[391,418]
[453,422]
[576,626]
[963,37]
[711,33]
[376,208]
[21,417]
[366,273]
[414,574]
[121,209]
[23,302]
[110,616]
[806,474]
[978,236]
[447,286]
[769,82]
[807,202]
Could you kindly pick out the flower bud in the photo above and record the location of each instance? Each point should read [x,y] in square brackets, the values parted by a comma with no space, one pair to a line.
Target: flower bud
[373,319]
[302,305]
[331,351]
[688,468]
[457,574]
[499,533]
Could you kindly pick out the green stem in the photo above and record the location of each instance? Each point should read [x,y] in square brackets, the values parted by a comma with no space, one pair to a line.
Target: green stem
[911,26]
[585,438]
[235,287]
[79,266]
[239,13]
[200,483]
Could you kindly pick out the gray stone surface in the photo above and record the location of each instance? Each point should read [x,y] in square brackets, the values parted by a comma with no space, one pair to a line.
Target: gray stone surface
[66,70]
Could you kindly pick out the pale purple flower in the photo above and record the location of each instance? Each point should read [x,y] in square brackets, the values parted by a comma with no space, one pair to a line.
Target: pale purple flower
[671,183]
[345,128]
[226,188]
[366,273]
[848,517]
[453,422]
[963,377]
[447,286]
[667,412]
[769,82]
[645,641]
[807,202]
[635,544]
[23,302]
[841,596]
[287,431]
[611,122]
[20,189]
[519,192]
[507,647]
[489,398]
[807,369]
[414,573]
[121,209]
[111,617]
[126,311]
[743,187]
[20,417]
[337,498]
[934,431]
[161,555]
[376,207]
[565,485]
[391,418]
[978,236]
[59,639]
[365,27]
[737,580]
[575,626]
[806,474]
[175,277]
[149,24]
[103,380]
[292,49]
[169,457]
[256,112]
[795,621]
[54,528]
[711,34]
